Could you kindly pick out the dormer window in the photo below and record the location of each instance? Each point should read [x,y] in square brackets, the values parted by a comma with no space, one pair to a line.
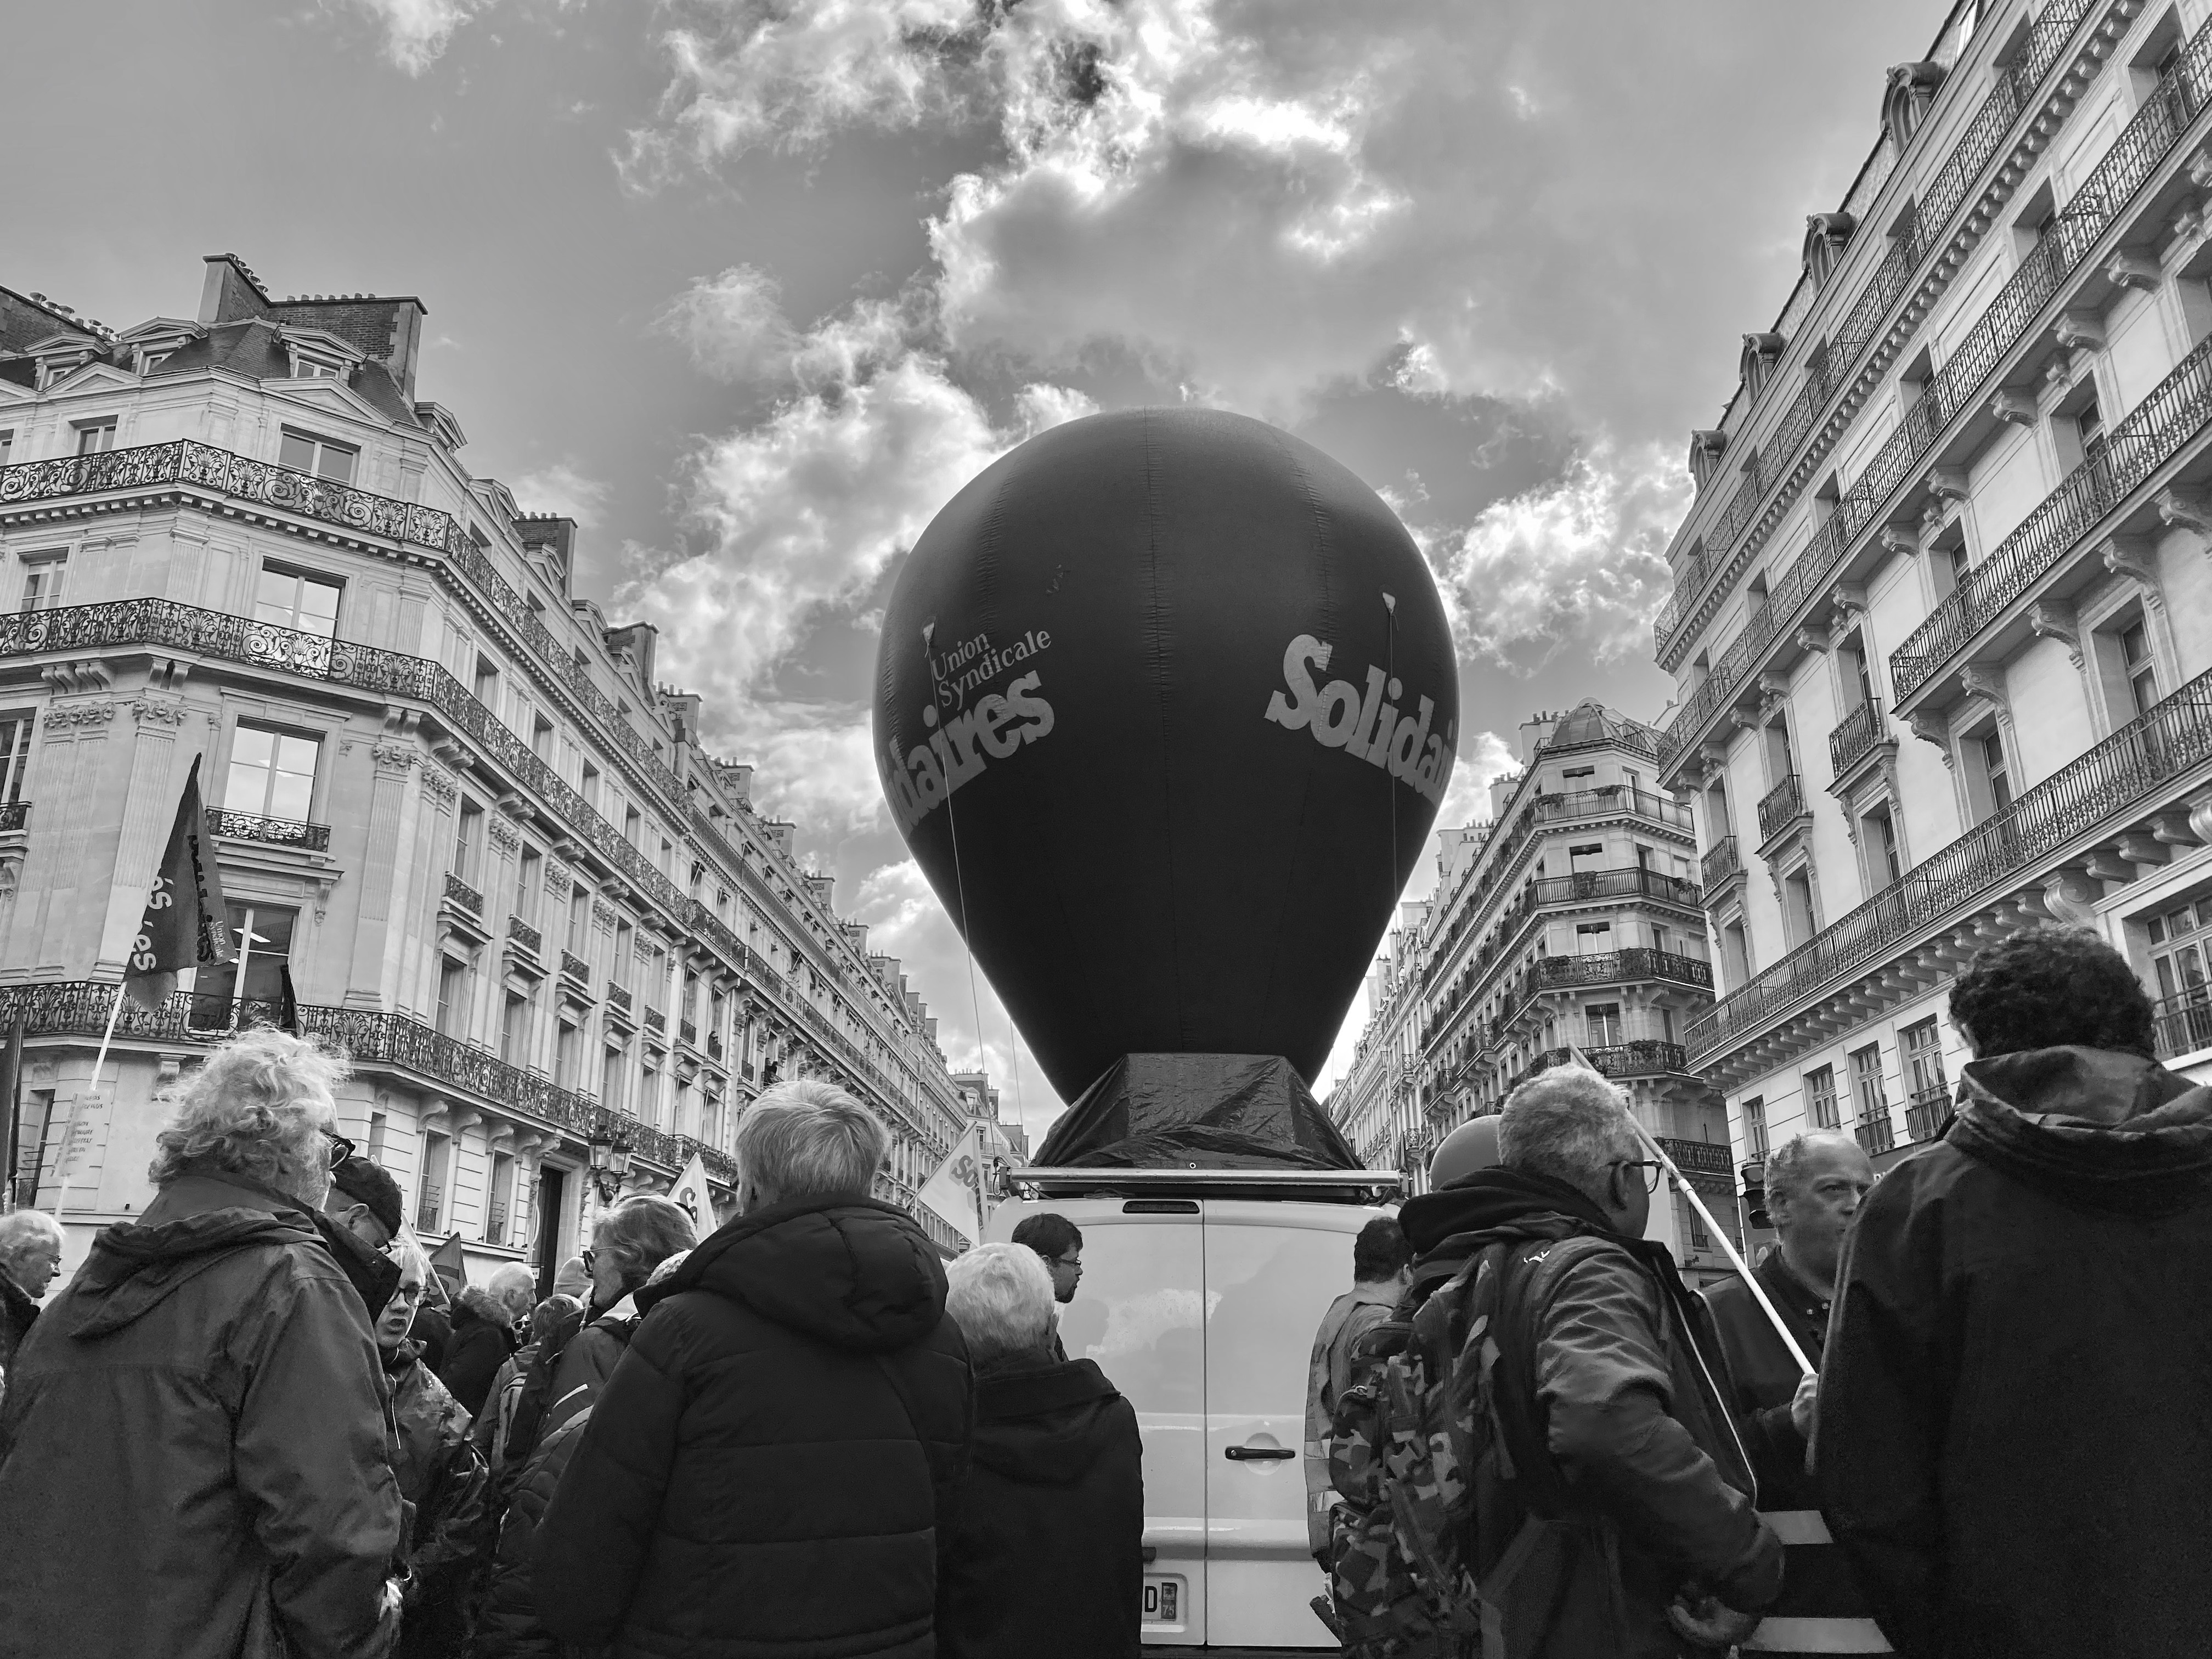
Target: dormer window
[322,457]
[57,365]
[305,367]
[316,354]
[151,361]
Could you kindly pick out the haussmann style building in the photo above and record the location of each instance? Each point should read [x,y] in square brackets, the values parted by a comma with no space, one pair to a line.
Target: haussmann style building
[1941,620]
[562,948]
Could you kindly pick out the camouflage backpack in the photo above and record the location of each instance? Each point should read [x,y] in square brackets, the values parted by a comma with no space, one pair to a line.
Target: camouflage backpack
[1406,1444]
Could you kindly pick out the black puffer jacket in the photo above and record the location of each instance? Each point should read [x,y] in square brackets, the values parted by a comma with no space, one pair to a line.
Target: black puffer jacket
[1044,1552]
[479,1346]
[507,1626]
[2015,1432]
[765,1471]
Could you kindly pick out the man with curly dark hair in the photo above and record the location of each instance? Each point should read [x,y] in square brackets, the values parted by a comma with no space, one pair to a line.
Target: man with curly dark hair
[2012,1440]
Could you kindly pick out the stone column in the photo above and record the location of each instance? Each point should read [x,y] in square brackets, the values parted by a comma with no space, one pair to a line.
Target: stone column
[374,961]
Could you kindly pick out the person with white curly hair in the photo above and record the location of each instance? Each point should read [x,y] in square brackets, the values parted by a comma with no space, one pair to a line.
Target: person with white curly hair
[193,1453]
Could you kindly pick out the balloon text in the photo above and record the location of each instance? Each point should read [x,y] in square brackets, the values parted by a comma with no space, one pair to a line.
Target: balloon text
[1363,725]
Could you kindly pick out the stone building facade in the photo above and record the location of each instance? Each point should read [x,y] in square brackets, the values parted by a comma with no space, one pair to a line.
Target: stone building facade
[455,801]
[1941,619]
[1569,921]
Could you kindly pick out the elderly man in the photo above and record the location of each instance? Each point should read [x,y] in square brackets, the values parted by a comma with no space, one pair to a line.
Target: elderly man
[30,1256]
[766,1469]
[1044,1552]
[2012,1439]
[486,1320]
[1630,1509]
[193,1453]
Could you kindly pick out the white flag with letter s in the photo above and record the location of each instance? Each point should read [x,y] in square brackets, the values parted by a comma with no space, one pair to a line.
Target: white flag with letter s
[956,1191]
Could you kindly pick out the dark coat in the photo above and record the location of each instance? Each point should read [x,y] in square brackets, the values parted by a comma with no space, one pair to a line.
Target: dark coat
[764,1472]
[431,1333]
[479,1346]
[17,1311]
[193,1443]
[2014,1434]
[1045,1552]
[446,1481]
[1622,1448]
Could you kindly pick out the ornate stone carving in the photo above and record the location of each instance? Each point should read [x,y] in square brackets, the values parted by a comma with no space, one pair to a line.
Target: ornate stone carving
[438,786]
[2200,169]
[2143,849]
[2073,897]
[2054,619]
[1812,638]
[2132,556]
[63,715]
[603,917]
[2015,408]
[1933,728]
[1896,538]
[398,758]
[150,711]
[2125,269]
[1849,599]
[2200,816]
[1948,483]
[558,877]
[2080,330]
[1988,683]
[68,678]
[2186,507]
[503,836]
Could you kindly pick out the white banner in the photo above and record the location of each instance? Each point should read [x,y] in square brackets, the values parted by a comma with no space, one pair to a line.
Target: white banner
[956,1191]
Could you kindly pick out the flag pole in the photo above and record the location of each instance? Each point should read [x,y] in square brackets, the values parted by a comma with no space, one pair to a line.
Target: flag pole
[1751,1279]
[66,1155]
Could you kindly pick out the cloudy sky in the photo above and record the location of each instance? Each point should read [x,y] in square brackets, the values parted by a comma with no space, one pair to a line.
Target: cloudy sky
[751,287]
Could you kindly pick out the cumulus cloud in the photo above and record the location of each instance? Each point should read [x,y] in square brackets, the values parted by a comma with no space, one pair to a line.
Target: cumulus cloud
[561,486]
[734,326]
[418,32]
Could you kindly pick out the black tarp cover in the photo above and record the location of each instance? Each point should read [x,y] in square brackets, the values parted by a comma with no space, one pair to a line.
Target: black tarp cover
[1197,1112]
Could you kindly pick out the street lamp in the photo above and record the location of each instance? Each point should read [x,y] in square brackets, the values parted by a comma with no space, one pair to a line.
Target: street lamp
[609,1163]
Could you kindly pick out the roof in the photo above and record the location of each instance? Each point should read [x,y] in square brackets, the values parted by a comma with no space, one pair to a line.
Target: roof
[1591,722]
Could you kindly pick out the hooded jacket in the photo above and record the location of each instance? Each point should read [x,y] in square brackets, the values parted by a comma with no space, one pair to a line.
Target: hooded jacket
[444,1479]
[1622,1467]
[1045,1551]
[764,1472]
[193,1450]
[2015,1432]
[480,1344]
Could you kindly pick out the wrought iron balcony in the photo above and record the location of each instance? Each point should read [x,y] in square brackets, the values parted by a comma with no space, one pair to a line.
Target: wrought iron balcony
[2128,771]
[1616,967]
[1874,1135]
[1726,546]
[495,1224]
[576,968]
[464,895]
[2152,433]
[689,1032]
[619,995]
[525,935]
[1925,1112]
[654,1019]
[1857,732]
[428,1208]
[13,815]
[1962,383]
[2182,1024]
[1720,861]
[277,832]
[1699,1157]
[1643,1057]
[713,1045]
[1781,806]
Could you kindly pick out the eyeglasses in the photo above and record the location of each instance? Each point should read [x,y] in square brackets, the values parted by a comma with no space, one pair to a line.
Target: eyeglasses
[1074,1261]
[341,1149]
[590,1259]
[1652,1168]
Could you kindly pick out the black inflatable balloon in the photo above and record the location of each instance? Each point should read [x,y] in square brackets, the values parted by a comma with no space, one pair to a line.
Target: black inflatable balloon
[1165,706]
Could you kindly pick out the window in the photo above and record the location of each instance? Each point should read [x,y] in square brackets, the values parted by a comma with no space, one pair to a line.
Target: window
[430,1202]
[1990,748]
[304,604]
[42,574]
[2135,664]
[2089,428]
[648,1095]
[632,819]
[1593,938]
[1603,1020]
[611,1068]
[151,361]
[2177,942]
[453,997]
[1867,1093]
[527,869]
[1820,1097]
[1735,951]
[1884,863]
[514,1030]
[1754,1127]
[500,1199]
[620,967]
[95,437]
[468,837]
[272,774]
[1797,917]
[589,788]
[7,443]
[567,1042]
[235,993]
[487,682]
[1923,1063]
[541,739]
[378,1124]
[14,755]
[323,458]
[1692,1224]
[580,918]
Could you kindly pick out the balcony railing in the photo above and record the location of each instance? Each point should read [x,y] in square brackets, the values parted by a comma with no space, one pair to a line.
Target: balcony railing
[1925,1112]
[525,935]
[654,1019]
[1616,967]
[2127,770]
[1699,1157]
[574,967]
[1828,370]
[2182,1024]
[1962,382]
[713,1045]
[1859,731]
[2152,433]
[1720,861]
[80,1008]
[428,1209]
[1641,1057]
[13,815]
[1779,806]
[464,895]
[688,1031]
[619,995]
[1588,884]
[1874,1135]
[495,1224]
[277,832]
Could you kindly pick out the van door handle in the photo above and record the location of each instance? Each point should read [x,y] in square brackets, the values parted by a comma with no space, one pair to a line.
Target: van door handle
[1259,1454]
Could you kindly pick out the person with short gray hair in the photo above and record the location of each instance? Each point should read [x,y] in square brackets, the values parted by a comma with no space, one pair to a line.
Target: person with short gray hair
[1608,1391]
[193,1453]
[770,1463]
[30,1255]
[1044,1550]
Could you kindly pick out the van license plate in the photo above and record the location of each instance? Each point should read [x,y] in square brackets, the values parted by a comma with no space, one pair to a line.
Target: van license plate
[1162,1602]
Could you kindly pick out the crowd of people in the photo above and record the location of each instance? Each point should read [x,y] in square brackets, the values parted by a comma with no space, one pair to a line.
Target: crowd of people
[2002,1449]
[244,1431]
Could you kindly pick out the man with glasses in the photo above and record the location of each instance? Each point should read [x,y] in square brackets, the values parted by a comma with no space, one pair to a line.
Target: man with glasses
[192,1449]
[1626,1525]
[1058,1242]
[364,1200]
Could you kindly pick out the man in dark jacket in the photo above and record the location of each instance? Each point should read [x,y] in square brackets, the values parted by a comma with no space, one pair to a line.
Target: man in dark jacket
[767,1467]
[1623,1523]
[1044,1552]
[193,1451]
[2014,1437]
[30,1256]
[484,1321]
[1815,1183]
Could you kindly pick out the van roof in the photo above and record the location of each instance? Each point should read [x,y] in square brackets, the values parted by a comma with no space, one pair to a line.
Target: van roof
[1324,1186]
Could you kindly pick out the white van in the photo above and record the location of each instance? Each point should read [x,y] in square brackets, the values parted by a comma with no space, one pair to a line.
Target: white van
[1202,1292]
